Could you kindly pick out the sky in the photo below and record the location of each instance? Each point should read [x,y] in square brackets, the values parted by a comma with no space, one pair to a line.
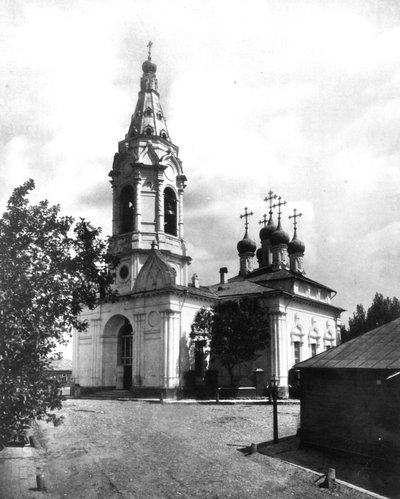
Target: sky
[298,97]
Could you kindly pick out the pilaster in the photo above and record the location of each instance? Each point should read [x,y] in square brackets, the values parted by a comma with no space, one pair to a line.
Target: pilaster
[138,329]
[279,350]
[96,366]
[170,348]
[138,200]
[160,203]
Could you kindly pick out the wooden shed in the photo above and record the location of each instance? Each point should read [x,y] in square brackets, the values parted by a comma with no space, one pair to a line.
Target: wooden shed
[350,395]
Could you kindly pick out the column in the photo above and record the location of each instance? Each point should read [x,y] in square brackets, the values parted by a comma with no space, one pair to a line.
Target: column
[279,350]
[96,362]
[138,332]
[180,212]
[160,203]
[138,201]
[170,348]
[283,356]
[164,349]
[116,215]
[173,362]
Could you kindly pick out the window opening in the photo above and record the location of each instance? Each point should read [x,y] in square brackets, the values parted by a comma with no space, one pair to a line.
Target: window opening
[127,209]
[170,212]
[313,349]
[296,351]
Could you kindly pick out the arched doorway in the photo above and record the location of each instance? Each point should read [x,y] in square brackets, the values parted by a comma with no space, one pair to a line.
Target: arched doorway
[125,352]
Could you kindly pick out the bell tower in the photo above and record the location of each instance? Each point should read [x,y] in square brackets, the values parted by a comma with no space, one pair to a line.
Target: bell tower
[148,184]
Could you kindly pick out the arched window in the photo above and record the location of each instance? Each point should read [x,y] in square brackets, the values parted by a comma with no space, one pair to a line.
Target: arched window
[148,112]
[127,209]
[149,130]
[125,340]
[170,212]
[163,135]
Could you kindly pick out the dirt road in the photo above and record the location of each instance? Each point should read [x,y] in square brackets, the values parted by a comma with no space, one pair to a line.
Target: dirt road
[128,449]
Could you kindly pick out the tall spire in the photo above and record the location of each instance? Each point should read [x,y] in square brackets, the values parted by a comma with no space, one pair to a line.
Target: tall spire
[148,118]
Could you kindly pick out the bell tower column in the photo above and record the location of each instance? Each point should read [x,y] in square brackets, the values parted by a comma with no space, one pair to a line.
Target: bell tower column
[138,200]
[181,187]
[160,203]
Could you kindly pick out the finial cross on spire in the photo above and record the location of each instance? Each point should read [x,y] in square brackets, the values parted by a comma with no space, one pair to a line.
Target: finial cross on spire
[295,216]
[271,196]
[279,204]
[264,220]
[246,215]
[149,45]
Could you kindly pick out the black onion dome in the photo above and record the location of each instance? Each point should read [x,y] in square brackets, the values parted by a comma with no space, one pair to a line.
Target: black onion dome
[296,246]
[266,232]
[279,236]
[149,67]
[246,245]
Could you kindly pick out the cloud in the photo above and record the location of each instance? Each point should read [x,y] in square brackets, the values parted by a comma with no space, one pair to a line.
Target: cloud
[298,97]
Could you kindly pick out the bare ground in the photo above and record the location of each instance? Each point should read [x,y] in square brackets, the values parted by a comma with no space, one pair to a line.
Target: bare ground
[128,449]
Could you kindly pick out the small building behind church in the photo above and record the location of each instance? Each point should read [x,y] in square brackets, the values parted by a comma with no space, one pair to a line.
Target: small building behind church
[61,369]
[140,341]
[350,395]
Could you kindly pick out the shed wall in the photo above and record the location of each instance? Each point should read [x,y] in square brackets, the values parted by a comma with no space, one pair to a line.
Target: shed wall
[355,410]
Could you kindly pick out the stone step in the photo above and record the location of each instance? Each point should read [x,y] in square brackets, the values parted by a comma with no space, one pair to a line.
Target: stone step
[112,394]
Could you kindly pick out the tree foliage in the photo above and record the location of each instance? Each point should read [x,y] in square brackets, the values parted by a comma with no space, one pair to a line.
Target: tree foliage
[381,311]
[236,331]
[50,268]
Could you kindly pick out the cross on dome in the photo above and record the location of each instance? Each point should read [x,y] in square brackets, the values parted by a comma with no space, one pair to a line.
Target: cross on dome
[279,204]
[246,215]
[271,196]
[149,45]
[264,220]
[295,216]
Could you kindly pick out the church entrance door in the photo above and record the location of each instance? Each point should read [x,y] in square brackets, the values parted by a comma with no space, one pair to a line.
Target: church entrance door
[126,353]
[127,377]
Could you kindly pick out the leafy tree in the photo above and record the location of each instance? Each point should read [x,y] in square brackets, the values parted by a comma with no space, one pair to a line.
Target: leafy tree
[381,311]
[50,268]
[236,331]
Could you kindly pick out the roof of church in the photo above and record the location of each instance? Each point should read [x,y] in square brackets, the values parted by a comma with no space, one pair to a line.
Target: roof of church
[261,275]
[377,349]
[238,288]
[60,365]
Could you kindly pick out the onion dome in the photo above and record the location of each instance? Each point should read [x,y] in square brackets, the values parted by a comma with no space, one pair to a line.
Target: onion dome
[279,236]
[259,254]
[246,245]
[149,67]
[267,230]
[295,245]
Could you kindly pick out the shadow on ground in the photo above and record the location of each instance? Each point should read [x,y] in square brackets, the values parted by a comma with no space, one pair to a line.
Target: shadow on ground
[365,472]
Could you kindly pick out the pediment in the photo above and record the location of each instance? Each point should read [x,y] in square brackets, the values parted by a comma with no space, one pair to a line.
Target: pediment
[149,156]
[156,273]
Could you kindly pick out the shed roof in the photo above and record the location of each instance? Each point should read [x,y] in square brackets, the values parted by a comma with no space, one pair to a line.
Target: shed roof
[377,349]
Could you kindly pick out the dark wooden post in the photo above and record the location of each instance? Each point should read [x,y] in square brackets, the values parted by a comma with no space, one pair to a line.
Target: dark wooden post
[275,413]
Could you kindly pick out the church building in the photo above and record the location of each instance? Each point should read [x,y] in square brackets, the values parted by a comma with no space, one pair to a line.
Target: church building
[140,341]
